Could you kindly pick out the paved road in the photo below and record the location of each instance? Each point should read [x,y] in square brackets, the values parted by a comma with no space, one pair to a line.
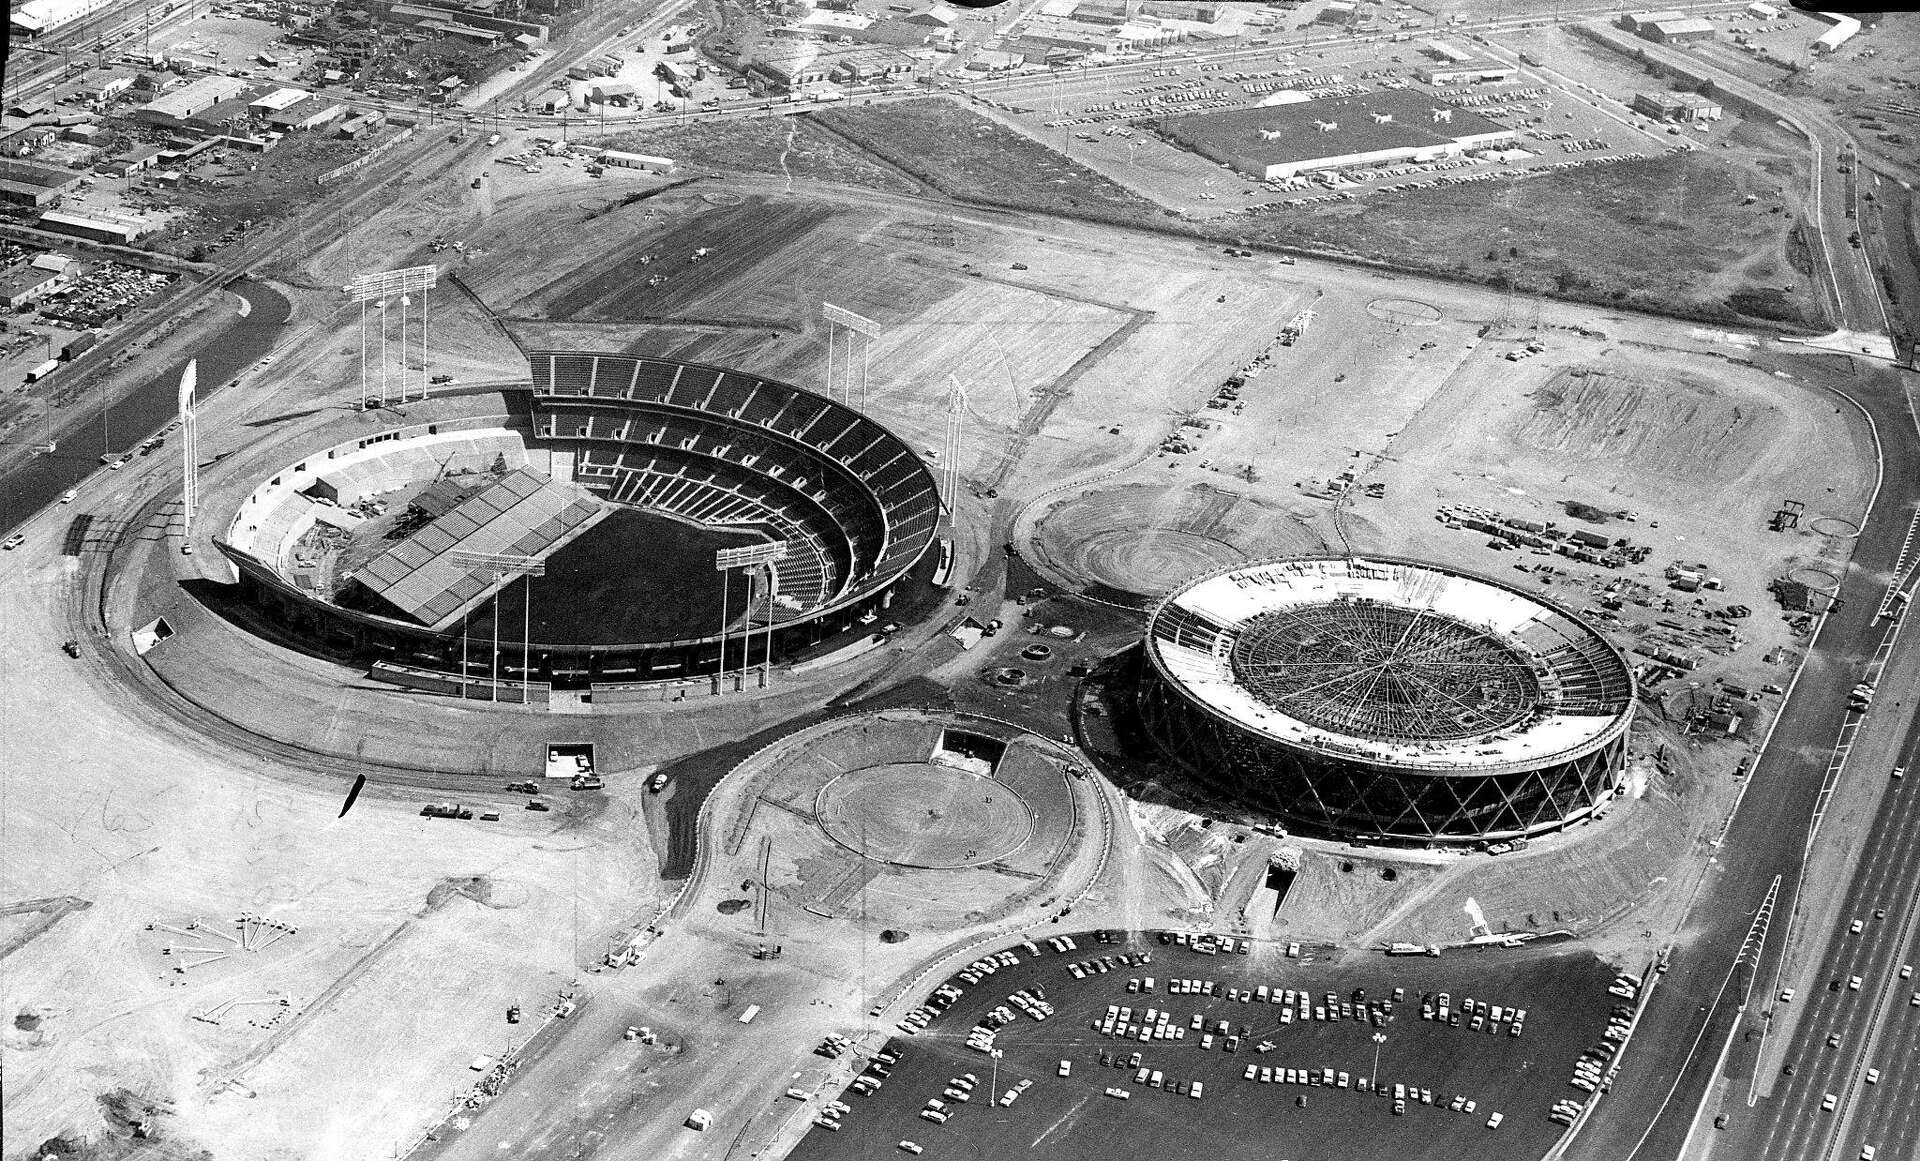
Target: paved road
[88,433]
[1845,1032]
[1765,839]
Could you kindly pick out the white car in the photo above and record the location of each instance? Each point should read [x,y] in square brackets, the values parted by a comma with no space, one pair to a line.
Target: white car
[1906,971]
[14,541]
[910,1147]
[1829,1103]
[1853,983]
[1786,995]
[1493,1122]
[1873,1076]
[1859,925]
[70,495]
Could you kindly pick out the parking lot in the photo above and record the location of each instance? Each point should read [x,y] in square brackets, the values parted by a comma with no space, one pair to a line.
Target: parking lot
[1309,1059]
[1097,116]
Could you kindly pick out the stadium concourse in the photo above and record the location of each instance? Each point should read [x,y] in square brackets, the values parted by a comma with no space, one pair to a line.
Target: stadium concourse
[1389,700]
[396,549]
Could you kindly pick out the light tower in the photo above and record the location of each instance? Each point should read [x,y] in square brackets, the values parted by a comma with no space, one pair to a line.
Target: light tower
[950,446]
[858,333]
[726,561]
[374,291]
[190,456]
[503,565]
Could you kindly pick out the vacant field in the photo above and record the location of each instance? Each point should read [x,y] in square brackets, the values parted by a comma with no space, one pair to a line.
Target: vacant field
[962,154]
[1655,234]
[792,146]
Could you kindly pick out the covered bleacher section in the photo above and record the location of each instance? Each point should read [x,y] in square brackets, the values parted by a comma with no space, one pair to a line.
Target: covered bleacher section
[434,576]
[856,505]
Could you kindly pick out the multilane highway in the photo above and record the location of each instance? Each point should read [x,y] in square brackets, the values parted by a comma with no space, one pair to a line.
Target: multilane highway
[1845,1031]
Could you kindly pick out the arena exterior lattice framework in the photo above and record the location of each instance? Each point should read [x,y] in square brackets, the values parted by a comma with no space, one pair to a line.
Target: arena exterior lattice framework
[1388,700]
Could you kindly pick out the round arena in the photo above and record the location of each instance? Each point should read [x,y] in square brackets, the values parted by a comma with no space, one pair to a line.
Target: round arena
[576,540]
[1387,700]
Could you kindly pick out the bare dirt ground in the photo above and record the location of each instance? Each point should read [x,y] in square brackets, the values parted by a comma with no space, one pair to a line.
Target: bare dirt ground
[394,986]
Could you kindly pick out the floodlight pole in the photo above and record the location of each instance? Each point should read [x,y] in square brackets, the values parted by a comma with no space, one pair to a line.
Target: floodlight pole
[720,679]
[383,352]
[773,586]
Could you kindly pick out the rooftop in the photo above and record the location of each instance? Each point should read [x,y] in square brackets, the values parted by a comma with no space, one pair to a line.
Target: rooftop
[1331,127]
[524,514]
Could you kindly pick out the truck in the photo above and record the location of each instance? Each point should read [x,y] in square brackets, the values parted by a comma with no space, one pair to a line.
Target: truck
[1413,949]
[446,810]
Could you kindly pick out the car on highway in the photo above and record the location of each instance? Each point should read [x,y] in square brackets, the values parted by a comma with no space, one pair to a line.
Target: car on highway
[1853,983]
[1833,1041]
[70,495]
[910,1147]
[1868,1153]
[1829,1102]
[1906,971]
[1786,995]
[1873,1076]
[1859,925]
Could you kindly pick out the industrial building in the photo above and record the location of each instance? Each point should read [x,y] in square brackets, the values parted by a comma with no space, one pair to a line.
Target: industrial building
[1465,72]
[26,183]
[1685,108]
[1668,27]
[1382,699]
[36,18]
[171,110]
[74,226]
[1282,141]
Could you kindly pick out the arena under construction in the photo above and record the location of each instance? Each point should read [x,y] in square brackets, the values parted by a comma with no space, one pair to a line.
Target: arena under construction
[1387,700]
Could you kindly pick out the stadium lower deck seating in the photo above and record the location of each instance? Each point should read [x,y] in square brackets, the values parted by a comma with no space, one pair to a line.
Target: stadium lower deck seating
[691,437]
[814,563]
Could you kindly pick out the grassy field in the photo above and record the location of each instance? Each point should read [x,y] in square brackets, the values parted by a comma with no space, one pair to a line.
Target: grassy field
[968,157]
[789,145]
[1665,234]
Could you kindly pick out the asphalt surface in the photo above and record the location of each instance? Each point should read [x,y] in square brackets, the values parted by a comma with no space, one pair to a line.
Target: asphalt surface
[1844,1032]
[150,406]
[1563,989]
[1767,835]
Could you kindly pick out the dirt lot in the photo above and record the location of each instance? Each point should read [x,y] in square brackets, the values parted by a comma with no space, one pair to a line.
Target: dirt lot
[414,934]
[968,157]
[790,146]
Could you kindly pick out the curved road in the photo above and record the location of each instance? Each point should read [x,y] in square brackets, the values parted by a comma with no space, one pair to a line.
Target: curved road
[149,407]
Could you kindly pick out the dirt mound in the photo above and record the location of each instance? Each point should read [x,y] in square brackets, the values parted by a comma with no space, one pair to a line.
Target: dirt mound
[482,889]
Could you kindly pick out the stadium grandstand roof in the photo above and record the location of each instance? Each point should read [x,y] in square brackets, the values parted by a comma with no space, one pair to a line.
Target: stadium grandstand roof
[1392,662]
[524,514]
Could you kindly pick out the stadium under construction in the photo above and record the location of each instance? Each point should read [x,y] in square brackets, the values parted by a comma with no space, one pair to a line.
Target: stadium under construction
[1386,700]
[793,520]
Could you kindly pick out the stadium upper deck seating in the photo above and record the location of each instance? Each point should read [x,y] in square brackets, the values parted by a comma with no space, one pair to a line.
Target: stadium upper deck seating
[841,469]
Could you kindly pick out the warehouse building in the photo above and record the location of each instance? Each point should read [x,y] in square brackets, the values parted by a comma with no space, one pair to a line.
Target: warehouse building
[1282,141]
[36,18]
[1682,31]
[26,183]
[1466,72]
[91,228]
[1685,108]
[171,110]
